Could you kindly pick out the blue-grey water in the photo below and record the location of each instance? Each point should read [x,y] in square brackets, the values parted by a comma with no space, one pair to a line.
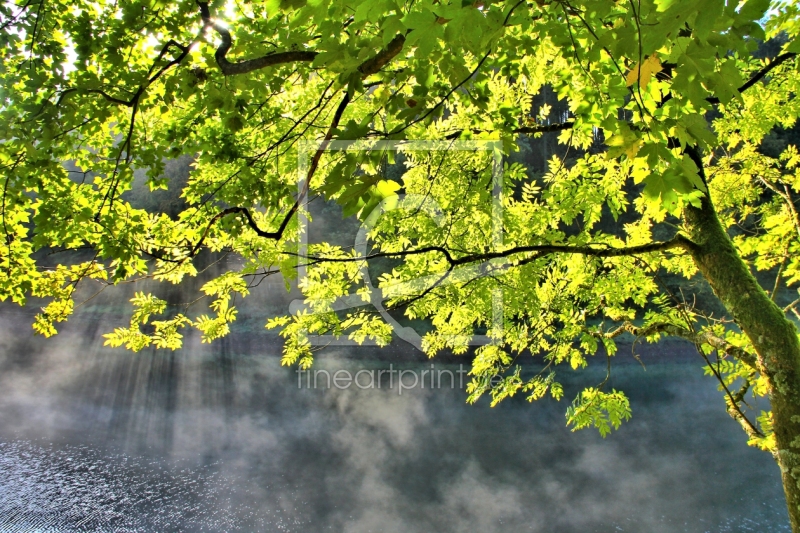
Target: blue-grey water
[220,438]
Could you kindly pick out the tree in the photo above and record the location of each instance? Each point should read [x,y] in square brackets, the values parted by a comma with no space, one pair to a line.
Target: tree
[663,171]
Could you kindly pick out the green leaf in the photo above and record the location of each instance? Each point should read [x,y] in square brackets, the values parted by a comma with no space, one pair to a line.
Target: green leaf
[753,10]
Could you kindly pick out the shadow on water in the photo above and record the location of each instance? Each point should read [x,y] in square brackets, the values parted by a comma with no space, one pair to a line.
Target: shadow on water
[221,438]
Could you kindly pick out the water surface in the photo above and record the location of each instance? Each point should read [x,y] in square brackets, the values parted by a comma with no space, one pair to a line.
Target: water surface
[220,438]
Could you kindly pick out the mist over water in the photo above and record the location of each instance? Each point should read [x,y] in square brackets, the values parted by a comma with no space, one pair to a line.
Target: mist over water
[220,438]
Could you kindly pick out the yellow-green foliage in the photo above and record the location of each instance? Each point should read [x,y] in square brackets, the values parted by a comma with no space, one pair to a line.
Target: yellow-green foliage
[90,91]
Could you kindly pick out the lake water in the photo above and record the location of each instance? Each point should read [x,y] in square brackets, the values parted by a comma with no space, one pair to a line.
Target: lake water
[220,438]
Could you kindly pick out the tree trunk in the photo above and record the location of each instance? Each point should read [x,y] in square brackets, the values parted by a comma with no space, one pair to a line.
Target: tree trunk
[774,337]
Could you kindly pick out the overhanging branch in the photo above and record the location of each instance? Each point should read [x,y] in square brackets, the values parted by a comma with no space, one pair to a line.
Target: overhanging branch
[539,250]
[228,68]
[679,241]
[275,235]
[248,65]
[755,78]
[382,58]
[528,130]
[703,337]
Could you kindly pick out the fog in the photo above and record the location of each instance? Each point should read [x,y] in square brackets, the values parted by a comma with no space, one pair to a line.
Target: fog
[220,438]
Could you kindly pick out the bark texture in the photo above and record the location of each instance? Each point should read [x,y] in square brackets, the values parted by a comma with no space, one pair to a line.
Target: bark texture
[774,337]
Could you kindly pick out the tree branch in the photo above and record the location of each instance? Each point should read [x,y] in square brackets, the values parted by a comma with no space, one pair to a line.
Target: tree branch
[679,241]
[248,65]
[442,100]
[732,405]
[150,79]
[382,58]
[546,128]
[543,128]
[368,67]
[276,235]
[704,337]
[112,99]
[755,78]
[711,99]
